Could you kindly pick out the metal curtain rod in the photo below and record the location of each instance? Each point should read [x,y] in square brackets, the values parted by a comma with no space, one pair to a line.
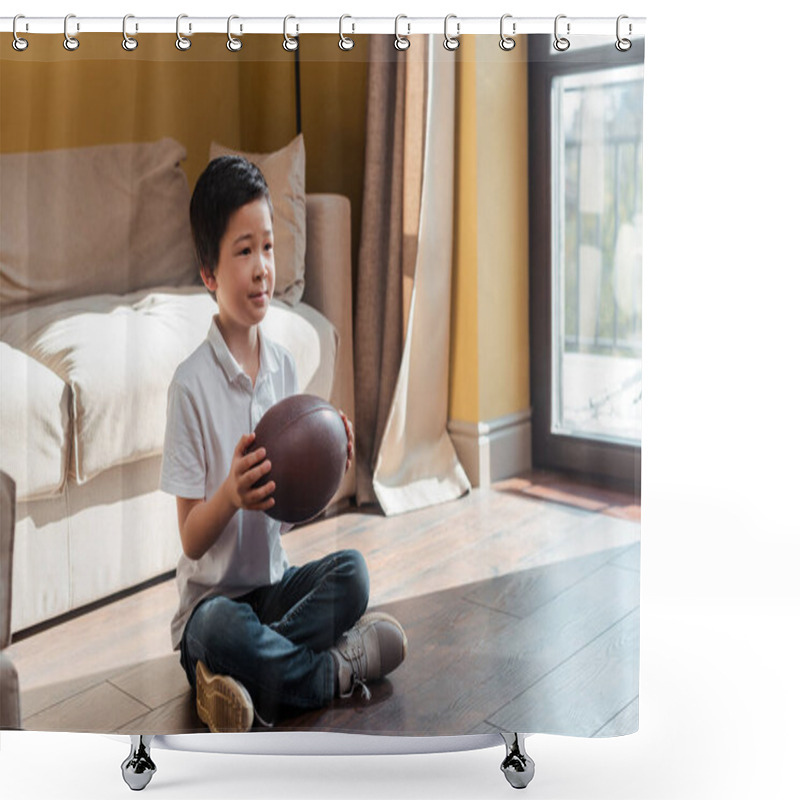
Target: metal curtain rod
[349,25]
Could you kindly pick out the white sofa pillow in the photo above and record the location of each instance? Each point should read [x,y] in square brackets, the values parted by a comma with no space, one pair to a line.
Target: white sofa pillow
[34,425]
[118,355]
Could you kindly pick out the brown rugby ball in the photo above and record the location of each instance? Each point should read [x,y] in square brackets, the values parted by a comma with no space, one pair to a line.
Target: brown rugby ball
[306,441]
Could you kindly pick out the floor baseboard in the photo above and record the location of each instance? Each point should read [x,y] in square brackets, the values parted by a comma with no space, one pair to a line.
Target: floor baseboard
[493,450]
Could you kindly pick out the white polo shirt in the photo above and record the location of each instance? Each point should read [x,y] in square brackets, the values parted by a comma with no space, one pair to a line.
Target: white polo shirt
[211,405]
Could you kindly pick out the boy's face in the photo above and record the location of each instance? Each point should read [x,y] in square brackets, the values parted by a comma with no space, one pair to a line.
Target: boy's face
[244,280]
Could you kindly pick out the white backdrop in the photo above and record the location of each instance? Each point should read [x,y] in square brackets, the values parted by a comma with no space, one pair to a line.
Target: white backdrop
[720,700]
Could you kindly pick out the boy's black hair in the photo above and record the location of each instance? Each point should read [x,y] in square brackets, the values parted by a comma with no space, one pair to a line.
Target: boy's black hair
[226,184]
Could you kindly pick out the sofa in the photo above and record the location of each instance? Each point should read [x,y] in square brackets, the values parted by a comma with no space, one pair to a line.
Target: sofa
[10,706]
[100,300]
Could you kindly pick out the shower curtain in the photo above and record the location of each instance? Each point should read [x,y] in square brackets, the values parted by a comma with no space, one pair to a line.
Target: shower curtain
[457,239]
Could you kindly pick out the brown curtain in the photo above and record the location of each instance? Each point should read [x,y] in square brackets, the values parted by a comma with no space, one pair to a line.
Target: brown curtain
[405,457]
[392,187]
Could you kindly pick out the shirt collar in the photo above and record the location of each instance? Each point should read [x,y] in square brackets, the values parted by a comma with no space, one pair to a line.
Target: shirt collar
[231,367]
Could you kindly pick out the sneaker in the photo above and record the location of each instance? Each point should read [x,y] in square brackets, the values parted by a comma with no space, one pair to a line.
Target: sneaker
[372,648]
[222,702]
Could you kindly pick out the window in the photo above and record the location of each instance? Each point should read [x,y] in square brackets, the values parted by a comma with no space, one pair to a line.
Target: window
[596,254]
[586,257]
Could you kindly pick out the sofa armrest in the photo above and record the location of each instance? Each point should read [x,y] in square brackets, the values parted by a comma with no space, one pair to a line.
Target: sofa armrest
[9,683]
[9,694]
[8,516]
[329,290]
[328,272]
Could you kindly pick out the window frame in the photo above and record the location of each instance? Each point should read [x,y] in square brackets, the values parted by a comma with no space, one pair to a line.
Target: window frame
[609,462]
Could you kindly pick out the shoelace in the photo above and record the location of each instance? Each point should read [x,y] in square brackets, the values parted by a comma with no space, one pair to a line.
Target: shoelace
[355,655]
[365,692]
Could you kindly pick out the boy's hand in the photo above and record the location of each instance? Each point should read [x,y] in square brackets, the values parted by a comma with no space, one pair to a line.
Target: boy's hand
[246,469]
[351,439]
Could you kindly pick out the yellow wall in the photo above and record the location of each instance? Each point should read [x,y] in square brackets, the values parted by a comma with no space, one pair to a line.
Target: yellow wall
[490,340]
[101,94]
[464,351]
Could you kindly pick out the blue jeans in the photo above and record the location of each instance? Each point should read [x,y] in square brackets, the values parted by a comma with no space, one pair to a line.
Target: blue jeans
[274,640]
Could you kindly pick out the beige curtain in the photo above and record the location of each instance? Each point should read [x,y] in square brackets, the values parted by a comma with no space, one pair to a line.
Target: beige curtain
[405,456]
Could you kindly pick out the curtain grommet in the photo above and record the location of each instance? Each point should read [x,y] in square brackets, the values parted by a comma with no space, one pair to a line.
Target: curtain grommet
[451,42]
[622,44]
[561,43]
[290,43]
[182,43]
[401,42]
[233,44]
[345,42]
[128,42]
[70,42]
[18,43]
[506,42]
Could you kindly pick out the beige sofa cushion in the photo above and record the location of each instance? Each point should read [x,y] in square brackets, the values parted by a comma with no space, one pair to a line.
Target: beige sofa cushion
[311,339]
[34,424]
[285,173]
[93,220]
[118,356]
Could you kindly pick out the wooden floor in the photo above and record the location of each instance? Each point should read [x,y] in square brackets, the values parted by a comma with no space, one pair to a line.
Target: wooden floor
[520,603]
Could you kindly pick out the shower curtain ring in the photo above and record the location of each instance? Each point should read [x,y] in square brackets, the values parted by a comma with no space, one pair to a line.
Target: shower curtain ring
[623,45]
[18,43]
[345,42]
[451,42]
[234,44]
[70,42]
[506,42]
[561,43]
[182,43]
[128,42]
[401,42]
[289,42]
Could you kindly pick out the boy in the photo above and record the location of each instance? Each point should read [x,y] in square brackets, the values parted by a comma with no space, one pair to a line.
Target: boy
[256,636]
